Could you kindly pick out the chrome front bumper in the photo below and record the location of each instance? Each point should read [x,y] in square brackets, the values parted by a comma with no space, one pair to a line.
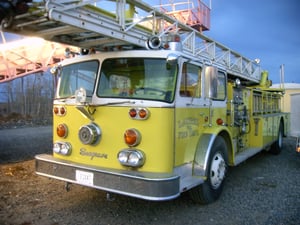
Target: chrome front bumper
[149,186]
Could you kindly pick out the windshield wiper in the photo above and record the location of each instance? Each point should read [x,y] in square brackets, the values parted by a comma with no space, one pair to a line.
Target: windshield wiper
[90,104]
[65,98]
[114,103]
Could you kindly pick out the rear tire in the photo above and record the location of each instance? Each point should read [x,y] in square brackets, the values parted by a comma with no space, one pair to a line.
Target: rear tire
[277,145]
[211,189]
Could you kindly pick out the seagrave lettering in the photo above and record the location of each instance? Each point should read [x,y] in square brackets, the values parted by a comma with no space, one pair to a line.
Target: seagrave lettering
[84,152]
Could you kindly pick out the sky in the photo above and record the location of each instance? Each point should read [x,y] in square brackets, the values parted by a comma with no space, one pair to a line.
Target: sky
[265,29]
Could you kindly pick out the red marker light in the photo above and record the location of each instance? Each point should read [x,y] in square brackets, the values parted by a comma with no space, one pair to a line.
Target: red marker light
[132,113]
[55,110]
[219,121]
[62,111]
[143,113]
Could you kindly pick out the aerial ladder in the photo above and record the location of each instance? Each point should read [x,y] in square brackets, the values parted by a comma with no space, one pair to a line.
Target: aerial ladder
[103,25]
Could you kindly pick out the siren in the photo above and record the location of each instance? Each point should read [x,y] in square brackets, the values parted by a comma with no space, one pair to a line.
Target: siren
[154,42]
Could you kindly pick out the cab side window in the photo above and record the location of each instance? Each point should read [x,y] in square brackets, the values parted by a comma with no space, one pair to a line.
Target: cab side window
[190,85]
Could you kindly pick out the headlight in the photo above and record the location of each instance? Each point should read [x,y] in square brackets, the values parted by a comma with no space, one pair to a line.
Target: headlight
[63,148]
[133,158]
[56,147]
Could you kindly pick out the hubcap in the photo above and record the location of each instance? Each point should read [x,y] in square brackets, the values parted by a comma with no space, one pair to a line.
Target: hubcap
[217,170]
[280,139]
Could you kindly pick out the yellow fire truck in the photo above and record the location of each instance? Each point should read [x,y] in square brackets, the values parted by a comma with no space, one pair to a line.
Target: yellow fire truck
[158,110]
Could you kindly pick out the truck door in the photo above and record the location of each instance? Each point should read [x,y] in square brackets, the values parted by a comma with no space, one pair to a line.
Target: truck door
[188,112]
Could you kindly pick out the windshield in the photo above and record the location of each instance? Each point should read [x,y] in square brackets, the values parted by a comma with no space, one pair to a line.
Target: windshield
[137,78]
[75,76]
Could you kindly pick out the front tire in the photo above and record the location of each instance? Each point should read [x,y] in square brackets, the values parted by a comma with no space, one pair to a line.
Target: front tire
[211,189]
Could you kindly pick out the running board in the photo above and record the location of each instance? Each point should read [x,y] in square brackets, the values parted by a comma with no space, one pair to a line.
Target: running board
[242,156]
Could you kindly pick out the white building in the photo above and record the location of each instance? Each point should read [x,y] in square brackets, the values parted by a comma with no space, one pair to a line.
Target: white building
[291,103]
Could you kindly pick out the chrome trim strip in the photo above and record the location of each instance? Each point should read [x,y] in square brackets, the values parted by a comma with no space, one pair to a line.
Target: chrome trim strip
[149,186]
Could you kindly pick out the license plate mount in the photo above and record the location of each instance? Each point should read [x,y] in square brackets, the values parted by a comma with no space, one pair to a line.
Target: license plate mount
[85,178]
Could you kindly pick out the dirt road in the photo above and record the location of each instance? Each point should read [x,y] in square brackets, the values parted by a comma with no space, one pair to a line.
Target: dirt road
[263,190]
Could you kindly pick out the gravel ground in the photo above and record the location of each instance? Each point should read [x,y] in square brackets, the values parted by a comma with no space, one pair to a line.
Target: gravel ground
[262,190]
[23,143]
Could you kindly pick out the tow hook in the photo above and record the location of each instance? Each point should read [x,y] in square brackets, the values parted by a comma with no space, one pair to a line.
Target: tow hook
[110,197]
[68,186]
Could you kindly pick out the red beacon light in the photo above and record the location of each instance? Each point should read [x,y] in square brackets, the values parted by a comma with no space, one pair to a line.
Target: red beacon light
[175,38]
[174,42]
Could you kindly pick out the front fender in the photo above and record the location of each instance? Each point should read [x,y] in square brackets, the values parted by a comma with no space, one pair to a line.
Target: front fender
[202,153]
[204,147]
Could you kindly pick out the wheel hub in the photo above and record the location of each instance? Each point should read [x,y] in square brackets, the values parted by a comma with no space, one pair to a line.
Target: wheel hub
[217,171]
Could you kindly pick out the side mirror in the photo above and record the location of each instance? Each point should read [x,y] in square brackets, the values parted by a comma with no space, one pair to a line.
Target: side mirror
[55,70]
[80,95]
[172,60]
[211,82]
